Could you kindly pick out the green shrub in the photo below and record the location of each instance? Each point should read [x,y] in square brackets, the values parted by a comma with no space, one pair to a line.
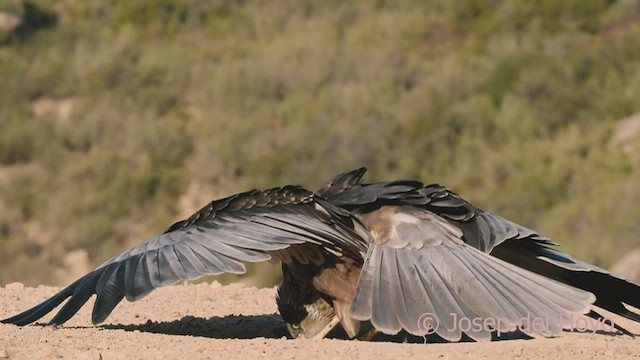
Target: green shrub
[512,104]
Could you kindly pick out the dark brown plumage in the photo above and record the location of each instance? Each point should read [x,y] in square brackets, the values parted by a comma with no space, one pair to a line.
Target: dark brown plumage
[385,252]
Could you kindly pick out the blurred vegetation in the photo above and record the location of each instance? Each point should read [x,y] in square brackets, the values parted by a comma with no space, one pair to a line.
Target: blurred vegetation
[119,117]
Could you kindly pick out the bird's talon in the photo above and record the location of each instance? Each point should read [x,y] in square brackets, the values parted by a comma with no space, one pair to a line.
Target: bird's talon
[369,335]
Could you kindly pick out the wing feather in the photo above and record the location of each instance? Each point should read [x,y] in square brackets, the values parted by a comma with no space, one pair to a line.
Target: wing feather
[451,280]
[246,227]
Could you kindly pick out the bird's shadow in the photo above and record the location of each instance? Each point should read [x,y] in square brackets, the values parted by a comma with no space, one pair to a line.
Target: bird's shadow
[217,327]
[267,326]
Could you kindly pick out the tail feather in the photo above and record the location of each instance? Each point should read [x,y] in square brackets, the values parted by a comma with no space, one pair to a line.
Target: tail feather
[612,292]
[595,315]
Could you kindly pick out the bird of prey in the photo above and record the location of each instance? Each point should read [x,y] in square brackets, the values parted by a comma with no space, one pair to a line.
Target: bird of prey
[386,252]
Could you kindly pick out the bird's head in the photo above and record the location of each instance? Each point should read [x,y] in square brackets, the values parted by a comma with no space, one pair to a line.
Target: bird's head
[311,321]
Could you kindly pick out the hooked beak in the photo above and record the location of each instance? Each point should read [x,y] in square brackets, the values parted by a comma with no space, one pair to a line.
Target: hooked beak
[300,333]
[321,319]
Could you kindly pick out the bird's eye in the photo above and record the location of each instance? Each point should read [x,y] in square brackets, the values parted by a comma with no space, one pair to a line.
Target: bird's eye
[295,326]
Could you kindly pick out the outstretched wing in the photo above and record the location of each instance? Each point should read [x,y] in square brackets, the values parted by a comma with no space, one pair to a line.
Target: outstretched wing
[247,227]
[419,275]
[501,238]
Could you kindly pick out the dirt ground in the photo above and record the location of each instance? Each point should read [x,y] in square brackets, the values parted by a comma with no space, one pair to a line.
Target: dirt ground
[236,322]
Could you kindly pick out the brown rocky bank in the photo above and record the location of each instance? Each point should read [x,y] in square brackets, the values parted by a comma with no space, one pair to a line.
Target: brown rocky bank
[237,322]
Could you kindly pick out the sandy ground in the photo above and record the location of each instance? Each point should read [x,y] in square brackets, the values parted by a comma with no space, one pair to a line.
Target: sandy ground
[236,322]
